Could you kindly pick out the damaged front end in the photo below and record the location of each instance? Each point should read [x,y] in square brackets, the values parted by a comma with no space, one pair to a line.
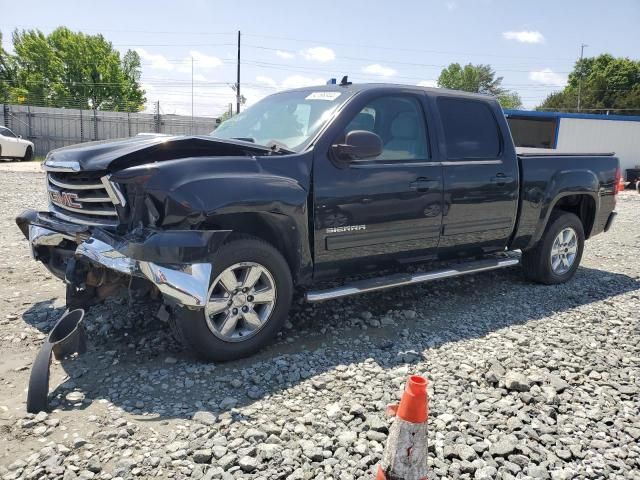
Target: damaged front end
[95,262]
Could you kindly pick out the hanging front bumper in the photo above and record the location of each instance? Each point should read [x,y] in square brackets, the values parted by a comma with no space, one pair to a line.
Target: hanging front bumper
[178,263]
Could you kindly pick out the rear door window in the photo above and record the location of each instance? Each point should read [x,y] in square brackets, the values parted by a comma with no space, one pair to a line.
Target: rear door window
[470,129]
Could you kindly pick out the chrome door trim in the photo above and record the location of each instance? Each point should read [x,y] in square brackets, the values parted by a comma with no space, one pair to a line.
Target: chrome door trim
[471,162]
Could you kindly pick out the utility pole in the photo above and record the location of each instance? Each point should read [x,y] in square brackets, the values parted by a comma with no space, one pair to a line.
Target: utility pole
[192,95]
[580,77]
[238,78]
[157,119]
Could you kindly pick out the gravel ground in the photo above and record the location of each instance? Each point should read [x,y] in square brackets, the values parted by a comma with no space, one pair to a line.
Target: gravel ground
[526,381]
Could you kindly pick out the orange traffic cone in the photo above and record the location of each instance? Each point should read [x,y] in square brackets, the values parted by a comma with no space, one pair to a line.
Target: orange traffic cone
[405,455]
[621,185]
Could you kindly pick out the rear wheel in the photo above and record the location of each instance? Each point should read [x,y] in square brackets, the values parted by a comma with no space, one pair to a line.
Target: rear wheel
[249,300]
[557,256]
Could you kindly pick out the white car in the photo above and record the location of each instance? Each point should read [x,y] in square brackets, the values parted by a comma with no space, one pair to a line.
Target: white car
[14,146]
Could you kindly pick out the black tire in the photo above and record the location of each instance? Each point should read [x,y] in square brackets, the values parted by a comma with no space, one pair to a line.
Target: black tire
[28,155]
[190,326]
[536,263]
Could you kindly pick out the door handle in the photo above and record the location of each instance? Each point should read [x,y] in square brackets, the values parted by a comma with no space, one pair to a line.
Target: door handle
[501,179]
[423,184]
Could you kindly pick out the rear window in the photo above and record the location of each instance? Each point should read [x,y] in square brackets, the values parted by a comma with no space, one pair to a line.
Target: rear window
[470,129]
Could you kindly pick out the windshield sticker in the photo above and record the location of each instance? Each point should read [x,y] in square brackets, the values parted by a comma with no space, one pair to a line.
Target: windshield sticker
[323,96]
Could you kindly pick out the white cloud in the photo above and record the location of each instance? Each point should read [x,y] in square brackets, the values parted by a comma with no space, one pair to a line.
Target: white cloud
[428,83]
[548,77]
[156,61]
[297,81]
[7,44]
[524,36]
[292,81]
[201,61]
[204,61]
[268,81]
[284,54]
[198,77]
[377,69]
[319,54]
[451,5]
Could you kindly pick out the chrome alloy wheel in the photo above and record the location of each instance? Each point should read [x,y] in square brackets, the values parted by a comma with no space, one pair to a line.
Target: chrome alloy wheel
[564,251]
[241,300]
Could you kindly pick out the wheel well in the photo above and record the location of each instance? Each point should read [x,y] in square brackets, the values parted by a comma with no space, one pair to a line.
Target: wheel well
[256,225]
[583,206]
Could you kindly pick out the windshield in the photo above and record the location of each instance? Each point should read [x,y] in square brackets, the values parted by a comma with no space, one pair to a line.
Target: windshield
[288,118]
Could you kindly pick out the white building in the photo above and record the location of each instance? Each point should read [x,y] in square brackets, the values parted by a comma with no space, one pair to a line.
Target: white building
[580,133]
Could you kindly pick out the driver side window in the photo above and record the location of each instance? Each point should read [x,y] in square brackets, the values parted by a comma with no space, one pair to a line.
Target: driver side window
[6,133]
[399,122]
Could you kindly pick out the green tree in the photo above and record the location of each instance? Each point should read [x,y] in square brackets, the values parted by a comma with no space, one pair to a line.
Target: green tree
[72,69]
[478,79]
[606,84]
[226,115]
[133,97]
[510,100]
[7,75]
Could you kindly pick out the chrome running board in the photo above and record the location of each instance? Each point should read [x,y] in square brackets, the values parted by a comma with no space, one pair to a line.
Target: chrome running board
[401,279]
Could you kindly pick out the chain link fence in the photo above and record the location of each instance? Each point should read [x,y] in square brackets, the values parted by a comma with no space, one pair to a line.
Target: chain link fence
[50,128]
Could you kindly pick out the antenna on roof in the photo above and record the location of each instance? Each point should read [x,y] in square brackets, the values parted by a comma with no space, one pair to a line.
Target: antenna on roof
[345,81]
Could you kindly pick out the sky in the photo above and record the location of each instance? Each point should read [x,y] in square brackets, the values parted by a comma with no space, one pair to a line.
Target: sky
[285,44]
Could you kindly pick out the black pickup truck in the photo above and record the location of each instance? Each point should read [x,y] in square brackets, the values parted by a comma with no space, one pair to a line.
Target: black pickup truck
[304,191]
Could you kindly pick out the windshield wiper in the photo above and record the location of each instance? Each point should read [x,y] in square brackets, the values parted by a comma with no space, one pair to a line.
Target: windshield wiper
[278,147]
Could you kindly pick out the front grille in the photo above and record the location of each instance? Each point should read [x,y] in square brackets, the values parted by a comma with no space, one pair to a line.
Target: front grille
[81,197]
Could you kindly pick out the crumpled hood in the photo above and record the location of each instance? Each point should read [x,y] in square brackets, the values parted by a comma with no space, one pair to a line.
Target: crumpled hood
[113,155]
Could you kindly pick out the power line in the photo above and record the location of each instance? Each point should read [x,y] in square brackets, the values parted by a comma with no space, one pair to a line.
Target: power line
[128,45]
[392,62]
[405,49]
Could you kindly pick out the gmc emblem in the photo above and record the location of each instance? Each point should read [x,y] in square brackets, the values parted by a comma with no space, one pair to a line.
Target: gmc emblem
[64,198]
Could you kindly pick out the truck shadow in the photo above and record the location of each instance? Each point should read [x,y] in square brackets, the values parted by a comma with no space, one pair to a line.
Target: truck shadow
[144,371]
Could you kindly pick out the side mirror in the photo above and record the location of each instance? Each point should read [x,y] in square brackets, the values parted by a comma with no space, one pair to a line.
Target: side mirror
[358,145]
[19,136]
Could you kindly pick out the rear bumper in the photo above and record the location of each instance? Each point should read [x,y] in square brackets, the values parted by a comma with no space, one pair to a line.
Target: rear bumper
[610,220]
[177,262]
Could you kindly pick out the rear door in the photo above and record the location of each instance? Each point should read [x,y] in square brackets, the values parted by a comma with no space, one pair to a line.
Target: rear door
[389,207]
[480,174]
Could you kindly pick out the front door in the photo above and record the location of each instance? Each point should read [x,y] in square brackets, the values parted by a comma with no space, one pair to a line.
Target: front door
[10,145]
[385,208]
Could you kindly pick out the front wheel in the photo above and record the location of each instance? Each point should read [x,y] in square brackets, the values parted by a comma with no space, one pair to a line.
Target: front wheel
[557,255]
[249,300]
[28,155]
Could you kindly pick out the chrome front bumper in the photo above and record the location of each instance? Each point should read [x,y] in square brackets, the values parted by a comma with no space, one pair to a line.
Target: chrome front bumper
[185,284]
